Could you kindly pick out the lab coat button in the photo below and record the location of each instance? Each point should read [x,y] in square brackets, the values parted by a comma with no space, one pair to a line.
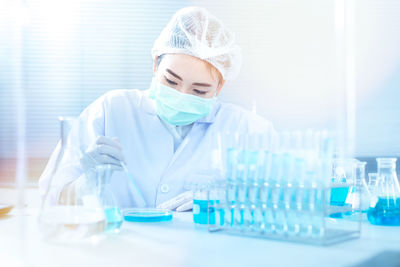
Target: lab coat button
[164,188]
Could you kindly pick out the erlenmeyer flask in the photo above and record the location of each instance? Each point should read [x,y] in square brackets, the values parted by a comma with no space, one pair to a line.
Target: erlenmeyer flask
[70,209]
[112,212]
[359,196]
[385,204]
[361,187]
[372,183]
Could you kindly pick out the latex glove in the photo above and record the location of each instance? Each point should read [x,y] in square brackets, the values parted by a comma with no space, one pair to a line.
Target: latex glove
[182,202]
[104,150]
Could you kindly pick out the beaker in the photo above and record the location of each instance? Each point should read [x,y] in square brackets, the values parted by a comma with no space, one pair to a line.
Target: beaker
[340,184]
[70,209]
[201,203]
[199,185]
[111,210]
[385,204]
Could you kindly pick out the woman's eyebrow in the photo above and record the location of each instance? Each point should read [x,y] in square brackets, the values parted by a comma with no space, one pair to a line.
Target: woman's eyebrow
[173,74]
[202,84]
[178,77]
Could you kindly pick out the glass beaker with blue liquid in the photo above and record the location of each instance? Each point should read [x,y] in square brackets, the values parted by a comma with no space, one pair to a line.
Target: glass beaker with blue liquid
[342,180]
[201,204]
[385,204]
[203,201]
[112,212]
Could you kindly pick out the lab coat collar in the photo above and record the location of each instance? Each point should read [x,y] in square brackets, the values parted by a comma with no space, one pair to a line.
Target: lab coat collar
[149,105]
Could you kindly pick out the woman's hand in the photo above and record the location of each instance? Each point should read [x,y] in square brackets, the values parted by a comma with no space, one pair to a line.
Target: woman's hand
[182,202]
[104,150]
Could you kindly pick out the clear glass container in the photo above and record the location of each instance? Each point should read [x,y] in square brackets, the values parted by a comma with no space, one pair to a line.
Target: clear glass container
[372,179]
[292,200]
[112,212]
[372,183]
[200,204]
[71,209]
[341,182]
[385,203]
[305,225]
[359,196]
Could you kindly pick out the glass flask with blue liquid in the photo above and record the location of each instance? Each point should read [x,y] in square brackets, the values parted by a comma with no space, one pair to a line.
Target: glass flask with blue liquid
[385,203]
[340,185]
[113,215]
[359,196]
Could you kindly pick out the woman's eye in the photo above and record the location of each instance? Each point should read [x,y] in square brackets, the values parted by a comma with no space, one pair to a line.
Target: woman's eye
[199,92]
[170,82]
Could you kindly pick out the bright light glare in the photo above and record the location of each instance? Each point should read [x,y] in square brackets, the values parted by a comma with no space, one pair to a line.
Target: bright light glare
[14,12]
[56,16]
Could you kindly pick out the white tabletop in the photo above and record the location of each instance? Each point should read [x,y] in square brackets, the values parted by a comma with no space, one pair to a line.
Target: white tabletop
[178,243]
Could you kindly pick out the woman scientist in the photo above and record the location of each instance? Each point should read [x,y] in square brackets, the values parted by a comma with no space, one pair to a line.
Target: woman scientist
[165,135]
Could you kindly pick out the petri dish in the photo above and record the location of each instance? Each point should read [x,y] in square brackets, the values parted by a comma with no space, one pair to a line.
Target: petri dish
[147,215]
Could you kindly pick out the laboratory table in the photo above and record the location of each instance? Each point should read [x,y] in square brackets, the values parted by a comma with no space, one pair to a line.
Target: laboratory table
[176,243]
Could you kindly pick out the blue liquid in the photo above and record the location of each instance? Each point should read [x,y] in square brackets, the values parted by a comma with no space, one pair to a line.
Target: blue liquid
[201,210]
[147,215]
[338,198]
[113,219]
[386,212]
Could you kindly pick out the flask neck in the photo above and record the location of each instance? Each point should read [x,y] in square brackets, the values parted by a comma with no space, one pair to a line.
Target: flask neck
[386,172]
[359,173]
[386,168]
[372,182]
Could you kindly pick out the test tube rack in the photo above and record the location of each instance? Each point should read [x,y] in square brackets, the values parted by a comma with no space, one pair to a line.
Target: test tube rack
[289,212]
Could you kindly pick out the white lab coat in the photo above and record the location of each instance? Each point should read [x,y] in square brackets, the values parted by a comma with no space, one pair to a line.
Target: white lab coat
[148,146]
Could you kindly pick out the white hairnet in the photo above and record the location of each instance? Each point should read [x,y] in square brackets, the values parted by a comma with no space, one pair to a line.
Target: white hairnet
[196,32]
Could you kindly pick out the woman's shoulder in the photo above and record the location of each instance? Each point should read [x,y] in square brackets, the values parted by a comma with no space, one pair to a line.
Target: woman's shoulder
[118,95]
[119,100]
[244,118]
[124,99]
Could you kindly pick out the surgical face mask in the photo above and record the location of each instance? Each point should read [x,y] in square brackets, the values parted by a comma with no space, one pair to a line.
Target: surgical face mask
[178,108]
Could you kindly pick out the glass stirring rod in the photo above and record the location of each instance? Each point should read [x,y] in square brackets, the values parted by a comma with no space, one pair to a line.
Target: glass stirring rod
[139,193]
[133,183]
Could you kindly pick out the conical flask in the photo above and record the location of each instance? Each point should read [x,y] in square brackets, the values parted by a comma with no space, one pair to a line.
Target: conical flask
[112,212]
[71,209]
[385,204]
[359,196]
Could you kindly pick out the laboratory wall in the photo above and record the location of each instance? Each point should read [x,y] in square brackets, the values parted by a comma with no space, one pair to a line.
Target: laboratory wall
[56,57]
[291,72]
[63,55]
